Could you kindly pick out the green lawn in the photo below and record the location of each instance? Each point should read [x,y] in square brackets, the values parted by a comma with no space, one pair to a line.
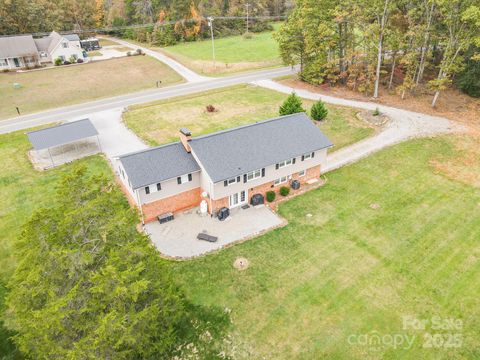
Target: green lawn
[233,54]
[159,122]
[62,86]
[106,42]
[350,269]
[22,190]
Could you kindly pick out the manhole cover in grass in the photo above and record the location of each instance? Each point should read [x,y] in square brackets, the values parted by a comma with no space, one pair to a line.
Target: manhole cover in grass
[240,263]
[374,206]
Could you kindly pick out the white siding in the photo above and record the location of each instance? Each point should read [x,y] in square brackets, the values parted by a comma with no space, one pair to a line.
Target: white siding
[271,174]
[169,188]
[73,48]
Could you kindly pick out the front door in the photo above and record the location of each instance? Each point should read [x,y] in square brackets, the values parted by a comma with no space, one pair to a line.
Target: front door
[17,63]
[238,199]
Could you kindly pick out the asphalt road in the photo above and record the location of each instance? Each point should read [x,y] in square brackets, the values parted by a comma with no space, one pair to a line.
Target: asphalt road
[84,109]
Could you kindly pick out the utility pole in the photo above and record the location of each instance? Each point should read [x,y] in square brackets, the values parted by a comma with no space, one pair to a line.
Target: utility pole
[210,24]
[247,5]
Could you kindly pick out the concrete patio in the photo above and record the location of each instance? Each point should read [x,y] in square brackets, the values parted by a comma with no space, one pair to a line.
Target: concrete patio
[178,238]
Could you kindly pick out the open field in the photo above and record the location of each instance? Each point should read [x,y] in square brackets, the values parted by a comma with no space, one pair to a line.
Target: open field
[351,269]
[75,84]
[159,122]
[233,54]
[107,42]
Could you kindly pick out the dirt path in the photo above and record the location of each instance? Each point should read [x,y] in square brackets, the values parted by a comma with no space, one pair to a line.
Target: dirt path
[403,125]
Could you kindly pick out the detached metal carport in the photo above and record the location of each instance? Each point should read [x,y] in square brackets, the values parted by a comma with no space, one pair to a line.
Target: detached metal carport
[58,140]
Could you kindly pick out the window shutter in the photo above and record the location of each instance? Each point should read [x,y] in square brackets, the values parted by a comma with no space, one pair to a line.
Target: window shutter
[159,187]
[244,178]
[238,178]
[179,180]
[263,172]
[303,157]
[293,161]
[147,190]
[225,183]
[242,196]
[313,154]
[276,166]
[189,177]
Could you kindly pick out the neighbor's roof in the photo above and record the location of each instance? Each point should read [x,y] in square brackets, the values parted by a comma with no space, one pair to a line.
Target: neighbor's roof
[17,46]
[236,151]
[62,134]
[71,37]
[158,164]
[55,39]
[43,43]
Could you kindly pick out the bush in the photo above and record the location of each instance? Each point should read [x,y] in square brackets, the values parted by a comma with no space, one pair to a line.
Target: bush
[319,111]
[58,62]
[376,112]
[469,79]
[72,59]
[284,191]
[270,196]
[79,61]
[139,52]
[248,36]
[292,105]
[211,108]
[66,63]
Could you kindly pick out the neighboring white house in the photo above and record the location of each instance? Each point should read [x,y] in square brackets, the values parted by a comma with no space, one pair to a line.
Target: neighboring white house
[59,46]
[18,52]
[23,51]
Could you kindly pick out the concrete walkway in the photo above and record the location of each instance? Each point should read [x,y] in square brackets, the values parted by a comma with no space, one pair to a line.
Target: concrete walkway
[187,74]
[115,138]
[403,125]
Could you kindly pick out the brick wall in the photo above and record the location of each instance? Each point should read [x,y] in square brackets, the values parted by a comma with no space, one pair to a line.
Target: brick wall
[311,173]
[127,193]
[176,203]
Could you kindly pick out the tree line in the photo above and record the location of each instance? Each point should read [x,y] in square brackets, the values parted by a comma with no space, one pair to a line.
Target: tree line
[32,16]
[402,44]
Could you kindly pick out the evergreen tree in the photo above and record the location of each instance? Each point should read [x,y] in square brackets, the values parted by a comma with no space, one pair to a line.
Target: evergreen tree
[87,284]
[319,111]
[291,105]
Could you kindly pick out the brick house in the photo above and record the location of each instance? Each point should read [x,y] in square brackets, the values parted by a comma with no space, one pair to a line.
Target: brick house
[225,168]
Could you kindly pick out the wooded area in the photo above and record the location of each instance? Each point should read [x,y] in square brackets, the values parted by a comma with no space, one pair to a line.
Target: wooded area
[403,44]
[30,16]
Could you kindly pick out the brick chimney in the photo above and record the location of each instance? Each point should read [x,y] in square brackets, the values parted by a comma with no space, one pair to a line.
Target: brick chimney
[185,137]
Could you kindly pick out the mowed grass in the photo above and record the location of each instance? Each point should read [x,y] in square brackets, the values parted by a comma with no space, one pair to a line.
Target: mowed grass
[22,190]
[75,84]
[106,42]
[159,122]
[352,270]
[232,54]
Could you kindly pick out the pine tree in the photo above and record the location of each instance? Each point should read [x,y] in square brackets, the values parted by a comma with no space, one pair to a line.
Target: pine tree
[292,105]
[319,111]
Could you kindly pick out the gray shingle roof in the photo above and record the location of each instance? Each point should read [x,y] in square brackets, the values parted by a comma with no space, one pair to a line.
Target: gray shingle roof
[161,163]
[71,37]
[62,134]
[234,152]
[17,46]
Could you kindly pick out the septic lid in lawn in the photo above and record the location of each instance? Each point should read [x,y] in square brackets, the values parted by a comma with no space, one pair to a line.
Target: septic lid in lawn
[374,206]
[240,263]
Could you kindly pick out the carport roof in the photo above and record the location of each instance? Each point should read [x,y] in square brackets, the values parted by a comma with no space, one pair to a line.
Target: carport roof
[62,134]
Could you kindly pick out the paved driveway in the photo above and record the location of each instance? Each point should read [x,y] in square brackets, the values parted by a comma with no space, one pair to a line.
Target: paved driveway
[403,125]
[115,138]
[178,238]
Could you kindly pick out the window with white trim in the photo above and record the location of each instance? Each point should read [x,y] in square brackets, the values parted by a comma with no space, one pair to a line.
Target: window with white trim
[301,173]
[285,163]
[184,179]
[307,156]
[65,45]
[252,175]
[231,181]
[281,180]
[3,62]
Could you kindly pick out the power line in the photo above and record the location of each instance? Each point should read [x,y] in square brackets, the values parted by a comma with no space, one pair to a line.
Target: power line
[158,24]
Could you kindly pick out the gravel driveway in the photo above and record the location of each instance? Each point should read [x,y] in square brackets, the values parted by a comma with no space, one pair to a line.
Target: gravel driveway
[403,125]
